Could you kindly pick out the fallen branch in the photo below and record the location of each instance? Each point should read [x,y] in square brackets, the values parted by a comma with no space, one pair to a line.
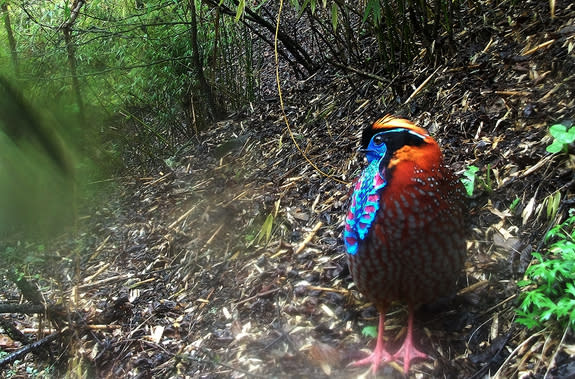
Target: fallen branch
[33,347]
[28,309]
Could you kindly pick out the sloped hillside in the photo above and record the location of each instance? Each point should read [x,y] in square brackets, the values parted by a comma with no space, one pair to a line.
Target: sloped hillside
[229,263]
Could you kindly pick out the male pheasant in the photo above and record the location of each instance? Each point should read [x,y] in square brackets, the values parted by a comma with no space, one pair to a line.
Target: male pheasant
[404,232]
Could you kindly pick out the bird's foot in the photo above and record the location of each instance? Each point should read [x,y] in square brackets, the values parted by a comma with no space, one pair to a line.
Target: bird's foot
[376,358]
[407,352]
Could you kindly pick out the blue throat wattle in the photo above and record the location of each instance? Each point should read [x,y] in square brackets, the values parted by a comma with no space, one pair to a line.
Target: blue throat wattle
[364,205]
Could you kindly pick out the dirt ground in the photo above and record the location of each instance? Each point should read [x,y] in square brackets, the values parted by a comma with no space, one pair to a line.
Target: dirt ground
[229,263]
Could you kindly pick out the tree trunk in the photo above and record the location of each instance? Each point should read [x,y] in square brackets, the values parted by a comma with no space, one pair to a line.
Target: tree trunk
[214,112]
[71,51]
[11,39]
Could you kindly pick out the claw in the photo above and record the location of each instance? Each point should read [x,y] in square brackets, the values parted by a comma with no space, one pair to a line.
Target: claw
[408,351]
[379,355]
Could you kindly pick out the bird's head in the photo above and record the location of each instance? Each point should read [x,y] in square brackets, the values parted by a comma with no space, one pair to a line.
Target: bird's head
[391,140]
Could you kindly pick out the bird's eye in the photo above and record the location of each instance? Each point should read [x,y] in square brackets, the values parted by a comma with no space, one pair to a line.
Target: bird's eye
[378,140]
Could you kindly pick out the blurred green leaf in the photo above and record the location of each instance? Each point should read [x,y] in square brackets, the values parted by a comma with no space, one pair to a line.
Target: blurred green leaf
[561,137]
[266,229]
[240,9]
[334,11]
[373,8]
[468,180]
[369,331]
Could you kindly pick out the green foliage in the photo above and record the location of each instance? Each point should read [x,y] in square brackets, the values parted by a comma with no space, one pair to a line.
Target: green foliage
[265,232]
[257,234]
[137,56]
[561,138]
[240,9]
[130,56]
[37,169]
[549,206]
[22,254]
[471,178]
[373,10]
[334,15]
[553,201]
[31,372]
[399,26]
[514,204]
[488,182]
[550,282]
[268,226]
[468,180]
[369,331]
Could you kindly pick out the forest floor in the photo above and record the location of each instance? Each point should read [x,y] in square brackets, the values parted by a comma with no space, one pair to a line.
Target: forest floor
[229,263]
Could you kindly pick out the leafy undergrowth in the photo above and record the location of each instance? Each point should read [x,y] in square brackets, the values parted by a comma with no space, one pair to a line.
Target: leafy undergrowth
[229,262]
[562,138]
[553,279]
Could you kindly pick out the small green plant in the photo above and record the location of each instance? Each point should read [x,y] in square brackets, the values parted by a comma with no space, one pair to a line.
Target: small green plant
[551,280]
[265,232]
[267,229]
[488,182]
[369,331]
[552,203]
[468,180]
[514,204]
[561,138]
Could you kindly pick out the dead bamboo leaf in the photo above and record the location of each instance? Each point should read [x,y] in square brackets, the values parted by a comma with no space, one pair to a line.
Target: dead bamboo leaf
[157,333]
[528,210]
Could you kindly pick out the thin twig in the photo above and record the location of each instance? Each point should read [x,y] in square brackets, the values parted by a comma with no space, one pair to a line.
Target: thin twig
[112,279]
[520,346]
[550,365]
[366,74]
[309,237]
[213,235]
[186,214]
[326,289]
[264,293]
[418,89]
[473,287]
[540,46]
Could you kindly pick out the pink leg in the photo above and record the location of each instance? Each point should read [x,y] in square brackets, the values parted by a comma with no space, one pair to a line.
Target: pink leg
[379,355]
[408,350]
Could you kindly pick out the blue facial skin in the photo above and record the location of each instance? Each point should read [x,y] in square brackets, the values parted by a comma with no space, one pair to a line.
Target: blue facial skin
[376,148]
